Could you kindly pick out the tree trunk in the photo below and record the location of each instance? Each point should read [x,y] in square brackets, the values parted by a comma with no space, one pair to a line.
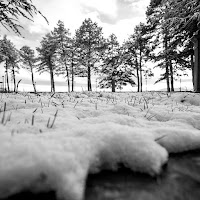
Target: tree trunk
[14,81]
[89,79]
[166,62]
[68,80]
[52,82]
[138,80]
[7,80]
[172,76]
[140,65]
[51,76]
[89,67]
[90,84]
[32,78]
[72,67]
[192,67]
[18,85]
[167,77]
[113,82]
[138,76]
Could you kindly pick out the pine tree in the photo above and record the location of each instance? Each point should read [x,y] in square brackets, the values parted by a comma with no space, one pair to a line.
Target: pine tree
[180,18]
[184,15]
[114,73]
[28,60]
[14,62]
[47,57]
[62,35]
[157,20]
[90,40]
[74,61]
[137,49]
[130,59]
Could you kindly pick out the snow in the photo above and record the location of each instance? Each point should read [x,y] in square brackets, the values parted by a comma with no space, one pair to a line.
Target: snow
[40,151]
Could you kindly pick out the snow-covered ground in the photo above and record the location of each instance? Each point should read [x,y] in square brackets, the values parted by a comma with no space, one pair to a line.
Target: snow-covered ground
[53,141]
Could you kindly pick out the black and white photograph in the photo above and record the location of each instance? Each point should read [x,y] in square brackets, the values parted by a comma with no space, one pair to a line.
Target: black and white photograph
[99,99]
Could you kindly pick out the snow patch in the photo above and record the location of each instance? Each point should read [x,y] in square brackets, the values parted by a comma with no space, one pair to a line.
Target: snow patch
[91,132]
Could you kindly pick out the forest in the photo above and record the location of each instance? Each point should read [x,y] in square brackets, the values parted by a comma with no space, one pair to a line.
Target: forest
[165,40]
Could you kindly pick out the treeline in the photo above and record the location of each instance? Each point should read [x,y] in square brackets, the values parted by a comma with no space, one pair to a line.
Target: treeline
[82,55]
[165,39]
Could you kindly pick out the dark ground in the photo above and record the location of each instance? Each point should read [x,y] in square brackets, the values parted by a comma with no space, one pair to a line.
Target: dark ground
[180,180]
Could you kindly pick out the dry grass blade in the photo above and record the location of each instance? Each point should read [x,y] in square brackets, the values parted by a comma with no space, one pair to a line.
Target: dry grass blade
[4,114]
[75,104]
[53,122]
[55,115]
[48,122]
[35,110]
[32,121]
[159,138]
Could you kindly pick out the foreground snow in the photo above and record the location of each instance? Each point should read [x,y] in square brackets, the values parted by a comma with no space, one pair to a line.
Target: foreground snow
[52,142]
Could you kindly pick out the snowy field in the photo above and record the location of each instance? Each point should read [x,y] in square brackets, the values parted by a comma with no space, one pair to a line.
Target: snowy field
[53,141]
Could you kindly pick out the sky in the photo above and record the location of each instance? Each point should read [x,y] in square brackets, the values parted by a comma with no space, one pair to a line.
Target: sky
[114,16]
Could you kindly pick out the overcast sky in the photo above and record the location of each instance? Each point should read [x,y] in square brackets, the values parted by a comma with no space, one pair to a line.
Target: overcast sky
[115,16]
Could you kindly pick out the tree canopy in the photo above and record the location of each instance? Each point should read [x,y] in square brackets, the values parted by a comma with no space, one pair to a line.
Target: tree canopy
[12,10]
